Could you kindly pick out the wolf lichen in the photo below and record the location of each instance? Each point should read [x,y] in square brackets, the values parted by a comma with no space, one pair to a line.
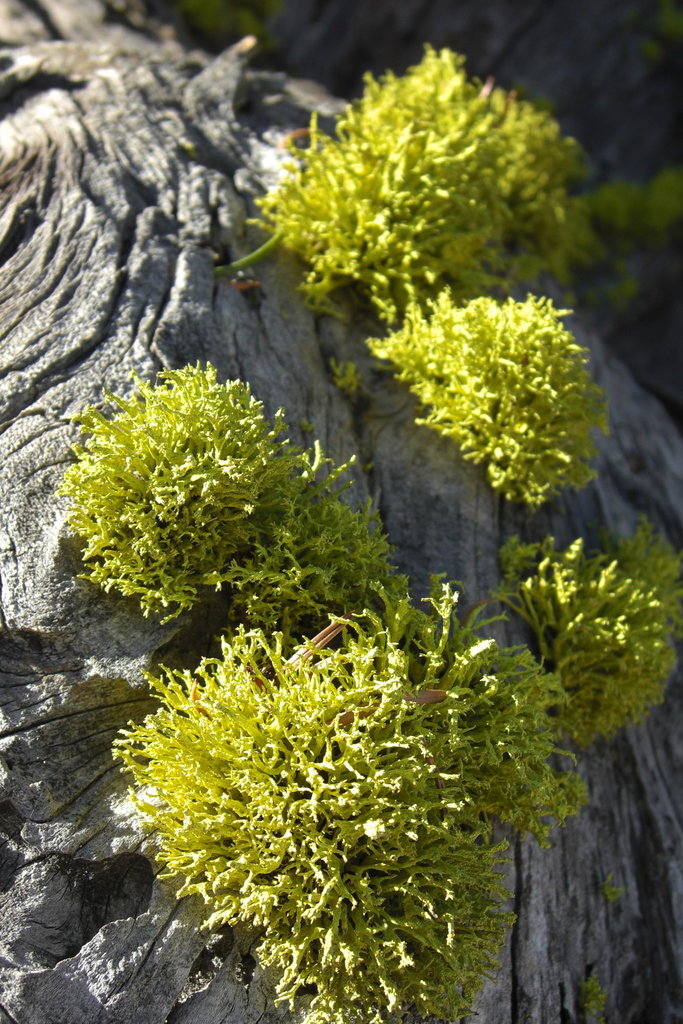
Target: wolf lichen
[318,558]
[339,803]
[188,487]
[431,180]
[171,487]
[509,384]
[603,622]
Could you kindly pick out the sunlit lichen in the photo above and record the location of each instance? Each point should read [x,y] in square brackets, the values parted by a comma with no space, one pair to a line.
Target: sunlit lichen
[509,384]
[318,558]
[188,487]
[172,486]
[603,622]
[432,180]
[340,803]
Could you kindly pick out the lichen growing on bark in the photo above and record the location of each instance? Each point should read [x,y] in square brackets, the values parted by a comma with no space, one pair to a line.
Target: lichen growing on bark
[603,621]
[187,488]
[432,180]
[509,384]
[341,802]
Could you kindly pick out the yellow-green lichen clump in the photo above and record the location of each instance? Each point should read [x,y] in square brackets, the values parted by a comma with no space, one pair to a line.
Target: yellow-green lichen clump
[340,802]
[603,622]
[432,180]
[318,558]
[187,488]
[509,384]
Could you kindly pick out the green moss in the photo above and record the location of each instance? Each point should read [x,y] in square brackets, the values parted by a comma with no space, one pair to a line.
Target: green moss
[188,487]
[602,621]
[624,290]
[325,802]
[509,384]
[431,181]
[666,31]
[627,215]
[653,50]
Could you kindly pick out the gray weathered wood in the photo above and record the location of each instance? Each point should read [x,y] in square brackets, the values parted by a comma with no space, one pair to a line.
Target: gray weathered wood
[125,173]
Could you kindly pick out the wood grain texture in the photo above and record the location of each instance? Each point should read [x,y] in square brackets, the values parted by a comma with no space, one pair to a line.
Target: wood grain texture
[126,171]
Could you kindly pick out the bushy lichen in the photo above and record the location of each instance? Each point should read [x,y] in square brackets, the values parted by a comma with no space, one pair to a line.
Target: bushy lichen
[509,384]
[602,621]
[432,180]
[318,558]
[169,489]
[339,802]
[188,487]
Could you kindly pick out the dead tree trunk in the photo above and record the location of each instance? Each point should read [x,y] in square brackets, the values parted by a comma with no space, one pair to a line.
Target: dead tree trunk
[126,172]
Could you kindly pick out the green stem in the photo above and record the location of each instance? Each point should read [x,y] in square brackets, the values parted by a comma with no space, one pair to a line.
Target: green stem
[252,257]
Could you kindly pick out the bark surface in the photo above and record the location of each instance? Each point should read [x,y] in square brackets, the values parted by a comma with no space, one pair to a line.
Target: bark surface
[128,168]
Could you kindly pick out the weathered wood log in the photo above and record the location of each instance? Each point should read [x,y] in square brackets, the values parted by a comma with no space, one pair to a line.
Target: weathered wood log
[126,173]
